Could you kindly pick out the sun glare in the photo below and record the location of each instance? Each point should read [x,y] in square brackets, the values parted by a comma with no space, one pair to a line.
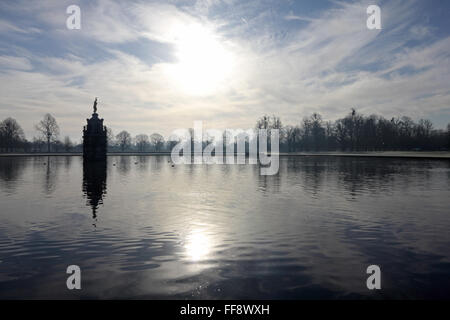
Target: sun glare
[203,64]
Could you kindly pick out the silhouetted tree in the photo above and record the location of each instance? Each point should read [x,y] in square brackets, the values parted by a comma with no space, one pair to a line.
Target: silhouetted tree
[356,132]
[423,133]
[157,141]
[263,122]
[330,136]
[142,142]
[49,129]
[269,123]
[292,138]
[312,133]
[123,140]
[172,141]
[110,138]
[11,135]
[317,132]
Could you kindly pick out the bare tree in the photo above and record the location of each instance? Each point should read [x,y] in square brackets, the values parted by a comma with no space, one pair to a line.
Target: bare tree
[142,142]
[11,134]
[157,141]
[172,141]
[292,136]
[123,140]
[263,122]
[330,135]
[49,129]
[270,123]
[110,137]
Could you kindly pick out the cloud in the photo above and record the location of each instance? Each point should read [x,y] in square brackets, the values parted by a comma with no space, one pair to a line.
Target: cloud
[18,63]
[327,64]
[292,16]
[420,32]
[6,26]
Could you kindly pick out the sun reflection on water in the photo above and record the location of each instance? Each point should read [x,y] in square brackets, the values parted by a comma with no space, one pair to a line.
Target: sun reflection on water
[197,245]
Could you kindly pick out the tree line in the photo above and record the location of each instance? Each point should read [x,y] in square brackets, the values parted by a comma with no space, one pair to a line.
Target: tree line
[354,132]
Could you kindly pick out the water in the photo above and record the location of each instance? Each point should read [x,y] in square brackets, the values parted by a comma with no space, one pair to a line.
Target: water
[140,228]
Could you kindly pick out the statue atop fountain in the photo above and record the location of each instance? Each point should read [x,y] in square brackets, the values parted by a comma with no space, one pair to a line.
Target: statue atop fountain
[94,138]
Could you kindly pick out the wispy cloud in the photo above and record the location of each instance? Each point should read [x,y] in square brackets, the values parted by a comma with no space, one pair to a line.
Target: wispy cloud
[328,63]
[17,63]
[6,26]
[292,16]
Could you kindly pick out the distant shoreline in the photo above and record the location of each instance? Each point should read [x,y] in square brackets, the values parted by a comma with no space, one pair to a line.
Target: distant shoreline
[374,154]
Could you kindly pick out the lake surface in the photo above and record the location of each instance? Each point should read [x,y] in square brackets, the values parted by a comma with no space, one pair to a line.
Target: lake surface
[140,228]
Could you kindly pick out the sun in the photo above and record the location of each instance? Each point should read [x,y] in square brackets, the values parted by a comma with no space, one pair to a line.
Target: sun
[204,65]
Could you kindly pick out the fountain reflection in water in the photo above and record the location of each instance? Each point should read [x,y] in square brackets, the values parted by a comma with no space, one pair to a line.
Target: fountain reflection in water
[94,184]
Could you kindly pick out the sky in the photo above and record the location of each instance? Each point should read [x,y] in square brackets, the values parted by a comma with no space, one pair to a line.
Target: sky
[159,66]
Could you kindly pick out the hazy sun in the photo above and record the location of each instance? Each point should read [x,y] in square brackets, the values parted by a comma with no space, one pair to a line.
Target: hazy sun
[203,64]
